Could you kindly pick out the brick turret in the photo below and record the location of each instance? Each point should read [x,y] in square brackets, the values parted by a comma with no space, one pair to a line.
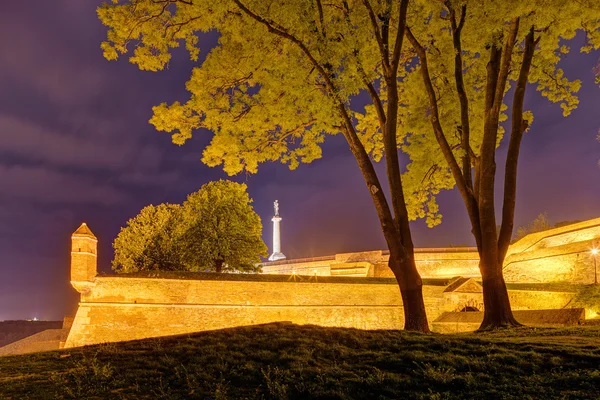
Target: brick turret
[84,250]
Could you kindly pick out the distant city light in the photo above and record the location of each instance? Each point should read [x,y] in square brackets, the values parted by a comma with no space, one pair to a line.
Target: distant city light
[594,251]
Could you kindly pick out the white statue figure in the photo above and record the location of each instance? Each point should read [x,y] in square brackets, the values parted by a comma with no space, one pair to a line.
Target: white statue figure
[276,207]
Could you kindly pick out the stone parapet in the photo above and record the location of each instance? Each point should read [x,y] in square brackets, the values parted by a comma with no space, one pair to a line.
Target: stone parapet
[124,308]
[555,255]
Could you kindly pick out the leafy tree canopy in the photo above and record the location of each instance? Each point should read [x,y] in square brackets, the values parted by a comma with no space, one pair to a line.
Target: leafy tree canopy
[223,231]
[467,56]
[264,100]
[258,93]
[150,240]
[216,229]
[483,25]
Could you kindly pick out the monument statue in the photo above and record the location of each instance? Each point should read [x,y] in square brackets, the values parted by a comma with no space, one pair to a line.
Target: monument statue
[277,254]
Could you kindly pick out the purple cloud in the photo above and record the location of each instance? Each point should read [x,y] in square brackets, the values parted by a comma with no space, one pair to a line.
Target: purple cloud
[44,186]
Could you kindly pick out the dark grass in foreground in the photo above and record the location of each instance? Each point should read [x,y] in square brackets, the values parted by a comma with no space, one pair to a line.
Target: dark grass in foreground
[280,361]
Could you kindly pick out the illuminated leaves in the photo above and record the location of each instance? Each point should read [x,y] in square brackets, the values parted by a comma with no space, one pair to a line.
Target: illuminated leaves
[215,225]
[485,25]
[263,100]
[221,227]
[256,92]
[149,241]
[175,117]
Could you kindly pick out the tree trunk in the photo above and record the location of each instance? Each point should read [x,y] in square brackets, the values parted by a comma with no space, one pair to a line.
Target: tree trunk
[411,290]
[415,315]
[497,312]
[219,266]
[395,227]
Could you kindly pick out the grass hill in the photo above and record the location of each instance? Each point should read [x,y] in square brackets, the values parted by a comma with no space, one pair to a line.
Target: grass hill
[285,361]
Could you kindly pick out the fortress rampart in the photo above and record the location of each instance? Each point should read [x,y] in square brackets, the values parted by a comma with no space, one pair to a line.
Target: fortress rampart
[127,307]
[555,255]
[345,290]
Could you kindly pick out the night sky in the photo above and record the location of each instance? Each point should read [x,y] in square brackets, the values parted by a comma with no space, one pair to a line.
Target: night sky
[75,146]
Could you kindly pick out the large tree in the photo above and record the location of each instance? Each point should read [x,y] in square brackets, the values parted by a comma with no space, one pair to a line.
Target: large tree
[466,54]
[282,78]
[150,241]
[223,232]
[216,229]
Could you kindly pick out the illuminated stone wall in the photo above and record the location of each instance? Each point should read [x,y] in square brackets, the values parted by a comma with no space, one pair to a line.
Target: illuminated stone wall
[118,308]
[555,255]
[561,254]
[121,307]
[125,308]
[431,263]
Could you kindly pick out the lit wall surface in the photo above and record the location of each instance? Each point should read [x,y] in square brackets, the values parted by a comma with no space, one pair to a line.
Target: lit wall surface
[346,290]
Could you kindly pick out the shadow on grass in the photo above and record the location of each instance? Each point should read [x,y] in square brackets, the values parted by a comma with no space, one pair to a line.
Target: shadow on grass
[285,361]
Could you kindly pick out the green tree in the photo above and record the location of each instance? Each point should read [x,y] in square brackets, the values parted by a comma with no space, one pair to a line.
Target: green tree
[216,229]
[223,233]
[150,241]
[540,223]
[468,55]
[283,77]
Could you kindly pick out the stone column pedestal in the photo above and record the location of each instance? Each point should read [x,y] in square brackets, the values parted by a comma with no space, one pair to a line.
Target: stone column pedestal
[277,254]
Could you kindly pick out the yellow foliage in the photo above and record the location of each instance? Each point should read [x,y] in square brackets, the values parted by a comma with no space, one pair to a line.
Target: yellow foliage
[263,100]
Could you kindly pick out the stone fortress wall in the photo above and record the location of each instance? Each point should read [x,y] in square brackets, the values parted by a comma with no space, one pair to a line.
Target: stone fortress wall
[555,255]
[345,290]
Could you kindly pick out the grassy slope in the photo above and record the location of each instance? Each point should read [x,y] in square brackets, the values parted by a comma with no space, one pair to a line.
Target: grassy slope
[298,362]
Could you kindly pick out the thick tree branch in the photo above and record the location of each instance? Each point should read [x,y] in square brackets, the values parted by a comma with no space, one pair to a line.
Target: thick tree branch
[476,173]
[518,128]
[498,70]
[358,150]
[460,89]
[390,142]
[321,19]
[506,59]
[383,52]
[491,78]
[471,201]
[388,125]
[433,102]
[399,36]
[375,99]
[438,131]
[385,35]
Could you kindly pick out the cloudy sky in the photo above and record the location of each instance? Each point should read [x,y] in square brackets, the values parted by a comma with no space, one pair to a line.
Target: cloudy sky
[75,146]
